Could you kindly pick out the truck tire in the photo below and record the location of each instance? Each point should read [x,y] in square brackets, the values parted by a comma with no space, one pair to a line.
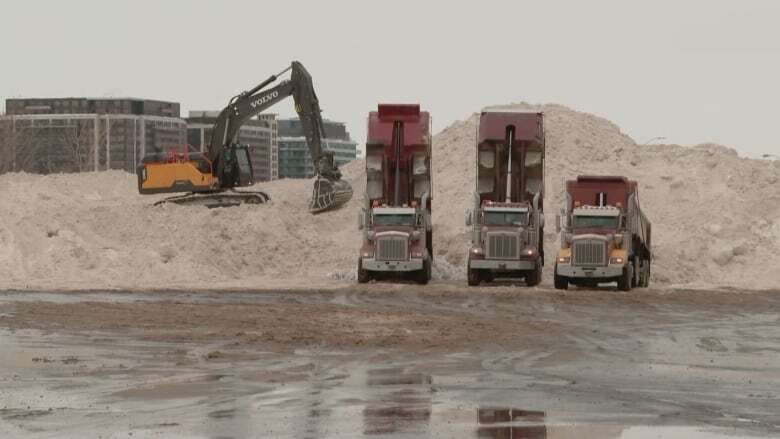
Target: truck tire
[624,283]
[560,282]
[534,278]
[645,282]
[473,277]
[424,275]
[363,275]
[636,278]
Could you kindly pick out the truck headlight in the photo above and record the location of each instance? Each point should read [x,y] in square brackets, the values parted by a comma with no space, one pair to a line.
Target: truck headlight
[564,259]
[477,251]
[367,254]
[417,254]
[615,261]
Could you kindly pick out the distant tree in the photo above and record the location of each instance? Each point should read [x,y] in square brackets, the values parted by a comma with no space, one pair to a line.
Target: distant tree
[77,139]
[32,152]
[46,146]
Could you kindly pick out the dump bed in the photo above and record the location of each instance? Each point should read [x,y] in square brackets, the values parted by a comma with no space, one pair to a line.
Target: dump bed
[398,134]
[525,131]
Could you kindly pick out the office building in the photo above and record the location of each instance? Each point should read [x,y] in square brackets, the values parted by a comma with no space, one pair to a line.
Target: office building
[294,155]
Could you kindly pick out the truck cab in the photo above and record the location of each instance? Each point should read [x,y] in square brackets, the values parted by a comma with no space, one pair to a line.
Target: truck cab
[396,220]
[395,242]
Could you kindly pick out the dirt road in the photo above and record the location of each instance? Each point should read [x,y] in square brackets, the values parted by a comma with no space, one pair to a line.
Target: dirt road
[391,360]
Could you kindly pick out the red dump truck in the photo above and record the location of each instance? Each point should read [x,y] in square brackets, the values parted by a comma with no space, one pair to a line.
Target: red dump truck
[605,236]
[507,219]
[396,220]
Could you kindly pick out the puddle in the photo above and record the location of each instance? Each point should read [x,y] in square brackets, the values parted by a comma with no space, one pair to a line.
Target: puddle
[400,401]
[513,423]
[88,385]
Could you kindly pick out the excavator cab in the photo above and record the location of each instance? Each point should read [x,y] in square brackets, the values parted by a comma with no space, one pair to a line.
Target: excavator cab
[236,165]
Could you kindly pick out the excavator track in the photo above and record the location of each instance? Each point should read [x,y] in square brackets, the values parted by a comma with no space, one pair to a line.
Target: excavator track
[228,198]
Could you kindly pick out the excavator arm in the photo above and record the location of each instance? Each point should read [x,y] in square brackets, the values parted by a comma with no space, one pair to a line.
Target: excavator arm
[329,190]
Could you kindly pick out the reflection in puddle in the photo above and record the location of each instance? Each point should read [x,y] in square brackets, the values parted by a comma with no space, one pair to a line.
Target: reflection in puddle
[500,415]
[402,401]
[502,423]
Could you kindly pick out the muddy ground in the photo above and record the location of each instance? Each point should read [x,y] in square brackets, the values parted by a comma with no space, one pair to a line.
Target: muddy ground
[391,360]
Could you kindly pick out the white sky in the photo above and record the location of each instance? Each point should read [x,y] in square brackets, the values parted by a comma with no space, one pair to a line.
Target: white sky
[691,71]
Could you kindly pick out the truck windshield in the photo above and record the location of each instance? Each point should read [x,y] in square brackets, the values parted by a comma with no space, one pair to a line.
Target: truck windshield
[393,219]
[506,218]
[595,222]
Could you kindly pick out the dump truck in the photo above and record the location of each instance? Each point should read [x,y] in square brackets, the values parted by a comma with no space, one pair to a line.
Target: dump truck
[605,236]
[507,218]
[396,219]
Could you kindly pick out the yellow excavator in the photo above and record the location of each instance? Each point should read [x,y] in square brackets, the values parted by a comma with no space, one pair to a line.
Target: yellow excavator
[210,178]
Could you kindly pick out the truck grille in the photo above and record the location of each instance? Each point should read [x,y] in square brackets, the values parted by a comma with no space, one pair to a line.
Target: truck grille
[392,249]
[503,246]
[589,252]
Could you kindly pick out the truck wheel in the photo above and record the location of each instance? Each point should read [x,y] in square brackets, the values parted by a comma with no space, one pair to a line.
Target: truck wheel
[560,282]
[424,275]
[645,274]
[637,277]
[473,277]
[534,278]
[624,283]
[363,275]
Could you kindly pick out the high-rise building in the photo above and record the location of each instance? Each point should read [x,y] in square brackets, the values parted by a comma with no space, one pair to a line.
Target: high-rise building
[259,134]
[87,134]
[294,156]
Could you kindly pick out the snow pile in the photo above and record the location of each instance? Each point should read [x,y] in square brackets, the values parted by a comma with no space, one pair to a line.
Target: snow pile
[715,219]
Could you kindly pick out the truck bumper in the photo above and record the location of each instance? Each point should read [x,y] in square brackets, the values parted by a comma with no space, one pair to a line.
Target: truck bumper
[392,266]
[610,271]
[501,265]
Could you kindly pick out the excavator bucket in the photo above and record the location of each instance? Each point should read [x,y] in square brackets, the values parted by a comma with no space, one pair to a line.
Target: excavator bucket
[329,194]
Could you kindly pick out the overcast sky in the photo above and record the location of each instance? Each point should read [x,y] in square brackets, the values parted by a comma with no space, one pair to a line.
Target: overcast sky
[690,71]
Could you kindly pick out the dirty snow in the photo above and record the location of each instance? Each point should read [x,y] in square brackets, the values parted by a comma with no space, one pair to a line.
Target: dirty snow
[715,215]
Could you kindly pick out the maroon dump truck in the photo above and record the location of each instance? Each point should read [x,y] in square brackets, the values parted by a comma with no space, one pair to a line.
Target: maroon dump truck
[396,220]
[507,219]
[605,236]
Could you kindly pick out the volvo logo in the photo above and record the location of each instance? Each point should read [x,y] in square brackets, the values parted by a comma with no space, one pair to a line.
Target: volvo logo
[263,99]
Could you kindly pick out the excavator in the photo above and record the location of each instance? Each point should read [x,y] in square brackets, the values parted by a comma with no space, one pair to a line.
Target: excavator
[210,178]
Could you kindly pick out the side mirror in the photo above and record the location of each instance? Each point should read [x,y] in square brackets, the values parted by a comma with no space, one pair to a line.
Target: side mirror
[557,223]
[468,218]
[541,220]
[361,217]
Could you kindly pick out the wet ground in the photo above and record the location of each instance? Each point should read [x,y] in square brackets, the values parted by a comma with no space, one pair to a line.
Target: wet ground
[391,361]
